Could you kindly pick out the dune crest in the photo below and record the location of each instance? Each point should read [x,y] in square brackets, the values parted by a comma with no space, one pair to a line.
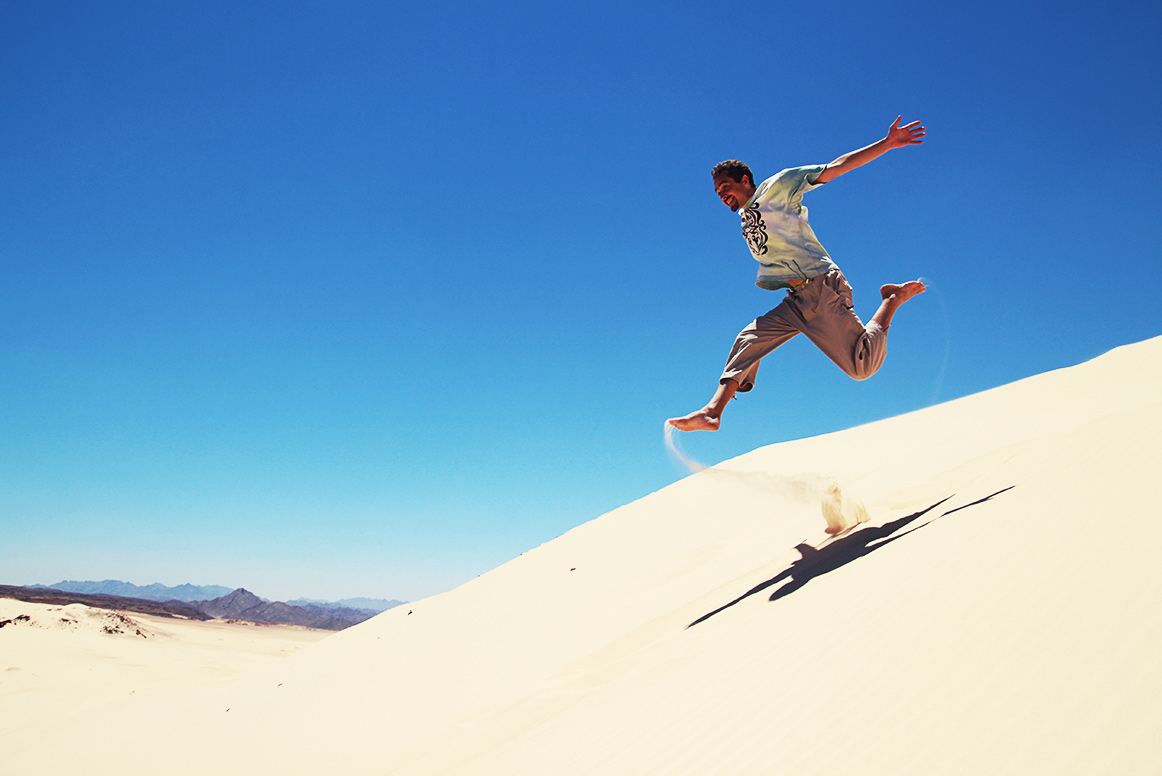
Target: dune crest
[73,617]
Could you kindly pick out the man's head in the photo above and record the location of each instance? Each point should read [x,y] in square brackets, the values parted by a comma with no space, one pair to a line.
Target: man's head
[733,183]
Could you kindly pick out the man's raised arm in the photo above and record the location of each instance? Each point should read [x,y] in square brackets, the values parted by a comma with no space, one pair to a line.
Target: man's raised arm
[897,137]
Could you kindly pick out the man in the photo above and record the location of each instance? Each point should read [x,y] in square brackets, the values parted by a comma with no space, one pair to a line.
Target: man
[818,302]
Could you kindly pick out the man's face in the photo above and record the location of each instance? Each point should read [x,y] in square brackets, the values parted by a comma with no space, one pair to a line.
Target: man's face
[734,194]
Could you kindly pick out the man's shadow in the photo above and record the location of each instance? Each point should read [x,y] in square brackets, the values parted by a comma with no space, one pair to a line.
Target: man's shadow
[857,544]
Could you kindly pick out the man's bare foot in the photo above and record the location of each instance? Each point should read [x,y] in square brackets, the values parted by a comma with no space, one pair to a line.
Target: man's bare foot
[696,421]
[902,292]
[894,296]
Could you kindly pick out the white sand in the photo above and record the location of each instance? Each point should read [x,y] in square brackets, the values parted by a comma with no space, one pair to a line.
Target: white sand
[58,662]
[999,613]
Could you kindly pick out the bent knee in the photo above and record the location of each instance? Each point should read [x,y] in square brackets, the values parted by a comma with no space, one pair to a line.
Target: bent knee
[863,368]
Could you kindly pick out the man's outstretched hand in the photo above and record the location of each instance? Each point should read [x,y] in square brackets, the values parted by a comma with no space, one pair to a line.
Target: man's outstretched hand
[909,134]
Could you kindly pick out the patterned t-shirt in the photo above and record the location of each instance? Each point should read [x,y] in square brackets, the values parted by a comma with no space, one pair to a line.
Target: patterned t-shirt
[774,223]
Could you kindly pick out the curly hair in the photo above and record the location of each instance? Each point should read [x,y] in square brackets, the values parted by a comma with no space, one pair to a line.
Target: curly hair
[732,168]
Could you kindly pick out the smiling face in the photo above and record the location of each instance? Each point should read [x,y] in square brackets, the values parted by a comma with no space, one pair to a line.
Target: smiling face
[734,194]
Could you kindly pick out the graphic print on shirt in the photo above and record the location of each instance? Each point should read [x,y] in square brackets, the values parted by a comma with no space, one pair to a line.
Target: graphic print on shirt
[754,230]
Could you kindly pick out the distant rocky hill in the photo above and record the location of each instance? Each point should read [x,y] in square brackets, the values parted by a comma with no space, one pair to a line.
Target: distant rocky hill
[241,604]
[154,592]
[372,605]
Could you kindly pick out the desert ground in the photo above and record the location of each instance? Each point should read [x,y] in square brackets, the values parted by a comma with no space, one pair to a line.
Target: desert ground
[999,611]
[58,662]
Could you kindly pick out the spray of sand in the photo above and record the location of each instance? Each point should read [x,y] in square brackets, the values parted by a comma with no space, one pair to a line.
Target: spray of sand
[841,510]
[676,452]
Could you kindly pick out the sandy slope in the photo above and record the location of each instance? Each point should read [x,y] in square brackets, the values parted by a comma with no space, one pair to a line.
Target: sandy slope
[1001,613]
[59,662]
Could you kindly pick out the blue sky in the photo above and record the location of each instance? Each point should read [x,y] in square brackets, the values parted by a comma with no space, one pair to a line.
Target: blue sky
[365,298]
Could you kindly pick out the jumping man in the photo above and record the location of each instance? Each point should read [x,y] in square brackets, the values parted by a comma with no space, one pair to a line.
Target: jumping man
[818,302]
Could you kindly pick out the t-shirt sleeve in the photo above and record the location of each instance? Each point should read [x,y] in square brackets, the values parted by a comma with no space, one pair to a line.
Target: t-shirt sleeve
[786,189]
[807,177]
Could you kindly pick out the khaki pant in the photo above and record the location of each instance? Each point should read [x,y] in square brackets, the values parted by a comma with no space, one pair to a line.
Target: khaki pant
[822,309]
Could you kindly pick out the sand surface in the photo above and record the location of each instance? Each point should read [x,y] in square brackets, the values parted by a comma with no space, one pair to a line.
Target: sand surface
[999,612]
[59,662]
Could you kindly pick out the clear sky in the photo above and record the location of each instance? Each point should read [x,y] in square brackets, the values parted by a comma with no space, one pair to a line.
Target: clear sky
[338,299]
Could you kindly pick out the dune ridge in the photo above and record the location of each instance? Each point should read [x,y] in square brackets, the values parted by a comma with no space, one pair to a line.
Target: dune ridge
[999,612]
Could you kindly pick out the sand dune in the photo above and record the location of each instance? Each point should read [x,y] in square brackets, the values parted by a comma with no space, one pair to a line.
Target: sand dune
[1000,612]
[59,662]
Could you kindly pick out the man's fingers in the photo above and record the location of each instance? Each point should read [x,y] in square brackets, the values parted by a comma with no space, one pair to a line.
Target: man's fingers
[912,132]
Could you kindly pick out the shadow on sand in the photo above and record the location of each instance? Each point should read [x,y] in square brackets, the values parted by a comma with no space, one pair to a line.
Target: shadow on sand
[840,552]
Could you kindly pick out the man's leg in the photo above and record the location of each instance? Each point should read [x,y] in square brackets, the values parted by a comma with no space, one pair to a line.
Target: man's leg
[709,417]
[836,330]
[753,343]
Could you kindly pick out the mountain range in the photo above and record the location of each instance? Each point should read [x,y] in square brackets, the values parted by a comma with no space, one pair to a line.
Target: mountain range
[154,592]
[223,603]
[189,593]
